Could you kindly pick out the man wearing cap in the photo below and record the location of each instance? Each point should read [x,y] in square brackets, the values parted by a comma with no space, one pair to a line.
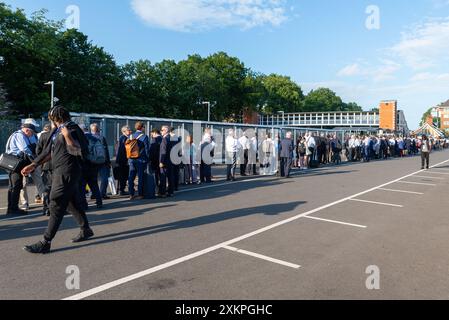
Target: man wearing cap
[19,144]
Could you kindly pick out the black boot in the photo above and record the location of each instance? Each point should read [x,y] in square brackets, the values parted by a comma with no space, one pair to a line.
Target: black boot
[83,235]
[42,247]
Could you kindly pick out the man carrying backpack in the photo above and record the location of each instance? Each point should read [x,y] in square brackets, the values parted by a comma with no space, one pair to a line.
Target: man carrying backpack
[104,165]
[95,158]
[138,154]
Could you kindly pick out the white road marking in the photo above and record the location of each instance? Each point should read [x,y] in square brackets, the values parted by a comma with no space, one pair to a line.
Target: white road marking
[338,222]
[191,256]
[428,177]
[260,256]
[442,168]
[437,172]
[379,203]
[417,183]
[401,191]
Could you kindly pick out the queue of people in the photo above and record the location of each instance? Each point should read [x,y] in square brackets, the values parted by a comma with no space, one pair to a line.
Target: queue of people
[360,148]
[66,160]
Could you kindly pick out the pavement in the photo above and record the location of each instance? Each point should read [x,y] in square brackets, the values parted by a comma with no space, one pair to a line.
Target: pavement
[318,235]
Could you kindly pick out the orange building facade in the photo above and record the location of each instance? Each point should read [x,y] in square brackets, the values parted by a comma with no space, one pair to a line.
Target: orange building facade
[388,111]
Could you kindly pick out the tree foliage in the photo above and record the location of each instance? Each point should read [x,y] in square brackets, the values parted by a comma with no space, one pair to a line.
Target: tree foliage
[425,116]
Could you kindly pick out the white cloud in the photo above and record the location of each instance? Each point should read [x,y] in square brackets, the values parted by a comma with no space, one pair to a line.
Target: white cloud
[384,70]
[425,45]
[428,76]
[198,15]
[350,70]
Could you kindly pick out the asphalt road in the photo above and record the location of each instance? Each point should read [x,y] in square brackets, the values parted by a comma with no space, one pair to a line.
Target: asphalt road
[309,237]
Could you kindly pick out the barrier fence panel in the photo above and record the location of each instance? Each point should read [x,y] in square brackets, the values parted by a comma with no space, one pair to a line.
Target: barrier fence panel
[111,128]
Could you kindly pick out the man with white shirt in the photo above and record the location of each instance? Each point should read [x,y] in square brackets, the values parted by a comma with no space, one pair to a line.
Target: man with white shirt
[232,147]
[366,148]
[311,145]
[351,147]
[245,144]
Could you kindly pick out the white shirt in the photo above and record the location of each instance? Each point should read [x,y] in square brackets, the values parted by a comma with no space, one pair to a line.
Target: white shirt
[311,142]
[351,143]
[244,142]
[232,144]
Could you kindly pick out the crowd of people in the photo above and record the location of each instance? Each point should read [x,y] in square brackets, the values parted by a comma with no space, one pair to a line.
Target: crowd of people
[69,163]
[355,148]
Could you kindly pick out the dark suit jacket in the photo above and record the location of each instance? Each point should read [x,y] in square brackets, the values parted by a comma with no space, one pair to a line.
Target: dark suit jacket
[164,155]
[155,149]
[121,158]
[286,148]
[41,144]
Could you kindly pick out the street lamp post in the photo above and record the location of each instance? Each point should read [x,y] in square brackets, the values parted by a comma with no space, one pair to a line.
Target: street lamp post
[209,106]
[52,84]
[208,110]
[283,116]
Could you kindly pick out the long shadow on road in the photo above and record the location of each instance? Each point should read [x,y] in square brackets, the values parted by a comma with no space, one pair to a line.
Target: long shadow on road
[36,228]
[272,209]
[123,210]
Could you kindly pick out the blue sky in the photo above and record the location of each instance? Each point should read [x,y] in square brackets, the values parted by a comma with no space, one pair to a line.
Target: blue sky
[315,42]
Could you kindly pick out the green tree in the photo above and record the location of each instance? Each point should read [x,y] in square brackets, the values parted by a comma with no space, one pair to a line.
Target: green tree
[222,80]
[425,116]
[87,78]
[5,104]
[324,100]
[351,106]
[281,94]
[28,50]
[140,87]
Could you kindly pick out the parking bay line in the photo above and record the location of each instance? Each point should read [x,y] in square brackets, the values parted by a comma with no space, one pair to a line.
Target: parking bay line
[379,203]
[437,172]
[260,256]
[144,273]
[428,177]
[401,191]
[337,222]
[417,183]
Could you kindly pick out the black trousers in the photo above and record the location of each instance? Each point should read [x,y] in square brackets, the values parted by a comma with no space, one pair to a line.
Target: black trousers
[245,163]
[123,175]
[65,197]
[425,159]
[157,175]
[90,178]
[205,172]
[176,173]
[14,187]
[46,179]
[286,165]
[167,178]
